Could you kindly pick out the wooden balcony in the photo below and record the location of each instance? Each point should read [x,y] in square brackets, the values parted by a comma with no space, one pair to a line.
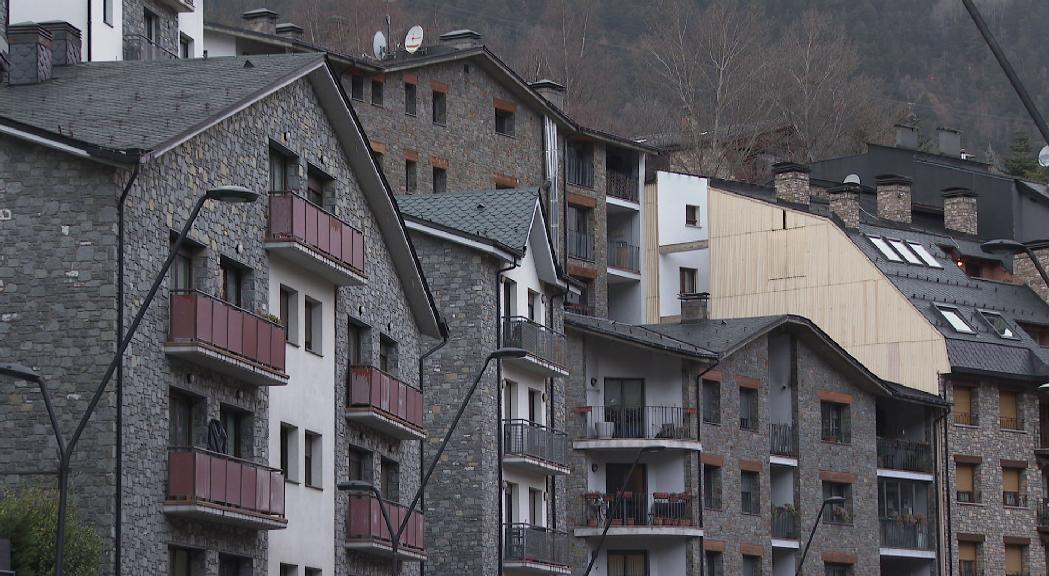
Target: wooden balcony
[380,401]
[306,235]
[366,529]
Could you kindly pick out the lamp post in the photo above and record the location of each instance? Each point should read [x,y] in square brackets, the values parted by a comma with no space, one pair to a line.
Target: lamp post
[831,501]
[230,194]
[618,500]
[1003,246]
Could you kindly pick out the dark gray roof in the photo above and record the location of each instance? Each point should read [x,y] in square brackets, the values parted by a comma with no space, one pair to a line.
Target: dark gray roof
[142,105]
[503,217]
[721,336]
[640,335]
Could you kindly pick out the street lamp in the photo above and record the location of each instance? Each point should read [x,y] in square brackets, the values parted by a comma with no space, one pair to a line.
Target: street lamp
[618,500]
[362,486]
[833,500]
[226,194]
[1004,246]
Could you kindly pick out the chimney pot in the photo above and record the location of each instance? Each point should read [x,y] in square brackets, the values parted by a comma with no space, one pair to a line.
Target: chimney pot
[906,137]
[461,39]
[554,92]
[845,204]
[791,181]
[30,53]
[261,20]
[950,141]
[289,30]
[959,210]
[894,198]
[65,43]
[695,307]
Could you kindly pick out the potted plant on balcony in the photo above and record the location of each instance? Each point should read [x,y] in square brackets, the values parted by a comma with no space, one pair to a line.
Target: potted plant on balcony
[595,507]
[840,514]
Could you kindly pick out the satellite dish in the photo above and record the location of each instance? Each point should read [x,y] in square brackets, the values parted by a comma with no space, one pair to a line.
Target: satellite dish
[379,45]
[414,39]
[1043,157]
[851,179]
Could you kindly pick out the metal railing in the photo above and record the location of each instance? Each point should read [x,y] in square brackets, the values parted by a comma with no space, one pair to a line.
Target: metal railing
[652,422]
[1014,499]
[1010,423]
[624,255]
[621,185]
[662,509]
[968,496]
[537,544]
[292,218]
[579,308]
[783,439]
[785,522]
[138,47]
[364,522]
[1043,513]
[524,438]
[899,454]
[581,245]
[198,475]
[912,534]
[970,568]
[201,318]
[371,387]
[538,340]
[966,418]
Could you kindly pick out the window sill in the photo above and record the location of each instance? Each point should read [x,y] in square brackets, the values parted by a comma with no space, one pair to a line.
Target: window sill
[315,487]
[712,509]
[1007,507]
[292,344]
[290,481]
[974,504]
[315,353]
[505,135]
[355,99]
[584,186]
[969,426]
[712,423]
[377,105]
[746,513]
[1013,430]
[687,225]
[409,114]
[835,442]
[845,524]
[441,124]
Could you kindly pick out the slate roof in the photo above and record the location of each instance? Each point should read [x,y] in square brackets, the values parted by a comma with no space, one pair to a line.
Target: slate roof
[640,335]
[502,217]
[720,336]
[129,105]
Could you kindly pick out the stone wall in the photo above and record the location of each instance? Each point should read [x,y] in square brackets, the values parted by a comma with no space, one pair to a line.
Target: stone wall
[167,26]
[1024,267]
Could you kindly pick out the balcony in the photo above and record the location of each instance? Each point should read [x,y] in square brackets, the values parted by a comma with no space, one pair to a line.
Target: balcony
[534,448]
[624,256]
[366,529]
[966,419]
[664,513]
[621,185]
[219,336]
[581,245]
[786,524]
[304,234]
[380,401]
[213,487]
[546,348]
[783,440]
[968,496]
[138,47]
[634,427]
[1014,499]
[531,549]
[896,454]
[1011,423]
[179,5]
[906,533]
[1043,515]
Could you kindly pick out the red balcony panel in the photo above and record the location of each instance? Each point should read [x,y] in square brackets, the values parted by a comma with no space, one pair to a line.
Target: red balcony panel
[402,402]
[181,480]
[276,492]
[236,332]
[311,229]
[347,250]
[218,480]
[365,522]
[251,336]
[203,477]
[262,493]
[199,318]
[335,238]
[219,324]
[233,475]
[265,344]
[277,346]
[323,232]
[358,252]
[183,316]
[249,486]
[371,387]
[202,308]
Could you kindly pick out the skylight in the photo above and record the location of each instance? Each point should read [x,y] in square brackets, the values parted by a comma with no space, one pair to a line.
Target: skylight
[954,317]
[925,255]
[1000,325]
[883,247]
[905,251]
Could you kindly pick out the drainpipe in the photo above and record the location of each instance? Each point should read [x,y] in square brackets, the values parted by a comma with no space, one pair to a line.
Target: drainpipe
[699,428]
[946,490]
[499,406]
[443,328]
[87,40]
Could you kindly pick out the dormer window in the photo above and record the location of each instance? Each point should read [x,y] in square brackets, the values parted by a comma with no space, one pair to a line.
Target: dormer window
[885,250]
[1001,325]
[953,316]
[925,255]
[905,251]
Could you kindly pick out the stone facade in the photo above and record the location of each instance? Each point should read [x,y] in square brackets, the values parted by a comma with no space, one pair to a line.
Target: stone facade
[791,182]
[845,204]
[894,198]
[1024,267]
[134,16]
[959,211]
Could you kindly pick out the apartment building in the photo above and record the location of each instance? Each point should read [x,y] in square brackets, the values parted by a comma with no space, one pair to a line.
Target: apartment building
[279,357]
[453,116]
[496,504]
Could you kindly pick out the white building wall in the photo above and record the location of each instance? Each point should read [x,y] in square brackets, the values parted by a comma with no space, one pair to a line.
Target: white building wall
[662,374]
[674,192]
[219,44]
[666,557]
[107,40]
[191,25]
[307,402]
[526,277]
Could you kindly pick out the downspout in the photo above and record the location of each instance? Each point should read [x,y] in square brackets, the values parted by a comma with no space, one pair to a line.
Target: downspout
[499,407]
[945,489]
[699,428]
[553,479]
[443,328]
[118,508]
[88,59]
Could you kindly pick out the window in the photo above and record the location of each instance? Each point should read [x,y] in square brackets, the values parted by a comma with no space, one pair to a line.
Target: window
[107,11]
[711,401]
[748,409]
[360,465]
[1000,325]
[691,215]
[289,314]
[1012,488]
[906,499]
[834,569]
[1009,411]
[627,563]
[953,316]
[180,562]
[387,354]
[711,487]
[1014,560]
[232,278]
[752,566]
[313,322]
[925,255]
[883,247]
[152,26]
[312,572]
[376,92]
[230,565]
[316,184]
[438,107]
[579,163]
[283,168]
[905,251]
[410,179]
[180,419]
[391,480]
[289,452]
[440,180]
[687,280]
[749,492]
[409,99]
[968,557]
[535,406]
[289,570]
[965,406]
[714,563]
[965,482]
[504,122]
[185,46]
[580,238]
[535,507]
[533,305]
[234,423]
[509,501]
[1037,332]
[838,513]
[357,87]
[312,460]
[835,422]
[182,269]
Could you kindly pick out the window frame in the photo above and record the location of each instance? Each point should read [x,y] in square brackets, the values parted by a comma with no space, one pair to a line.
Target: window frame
[705,384]
[947,311]
[289,452]
[694,221]
[885,249]
[839,432]
[509,121]
[439,104]
[377,99]
[411,176]
[692,277]
[439,179]
[923,253]
[713,487]
[903,250]
[750,483]
[751,420]
[357,91]
[989,315]
[312,460]
[313,325]
[411,102]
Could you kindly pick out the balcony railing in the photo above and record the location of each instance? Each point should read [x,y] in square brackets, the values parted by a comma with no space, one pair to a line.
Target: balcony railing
[783,439]
[579,169]
[138,47]
[535,544]
[524,438]
[970,568]
[1043,514]
[581,245]
[199,318]
[785,522]
[382,393]
[966,418]
[652,422]
[197,476]
[907,533]
[1011,423]
[540,341]
[624,256]
[579,308]
[365,524]
[899,454]
[1014,499]
[968,496]
[294,219]
[663,509]
[621,185]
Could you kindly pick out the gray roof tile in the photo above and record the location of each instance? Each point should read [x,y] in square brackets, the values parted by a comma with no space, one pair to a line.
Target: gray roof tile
[640,335]
[500,216]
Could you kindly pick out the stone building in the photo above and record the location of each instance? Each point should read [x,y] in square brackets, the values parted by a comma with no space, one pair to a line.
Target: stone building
[281,354]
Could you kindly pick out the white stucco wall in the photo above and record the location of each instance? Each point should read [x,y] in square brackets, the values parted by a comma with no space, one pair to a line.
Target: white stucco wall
[191,24]
[665,556]
[107,41]
[674,192]
[219,45]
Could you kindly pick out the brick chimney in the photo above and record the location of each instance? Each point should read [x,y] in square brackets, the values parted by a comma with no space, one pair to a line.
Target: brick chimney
[554,92]
[289,31]
[30,54]
[959,210]
[695,307]
[950,141]
[906,137]
[894,198]
[461,39]
[845,204]
[65,43]
[261,20]
[791,181]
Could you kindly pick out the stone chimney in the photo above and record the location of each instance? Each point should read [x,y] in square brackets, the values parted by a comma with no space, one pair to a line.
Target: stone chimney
[959,210]
[906,137]
[950,142]
[65,43]
[695,307]
[461,39]
[289,31]
[791,181]
[554,92]
[261,20]
[30,55]
[894,198]
[845,204]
